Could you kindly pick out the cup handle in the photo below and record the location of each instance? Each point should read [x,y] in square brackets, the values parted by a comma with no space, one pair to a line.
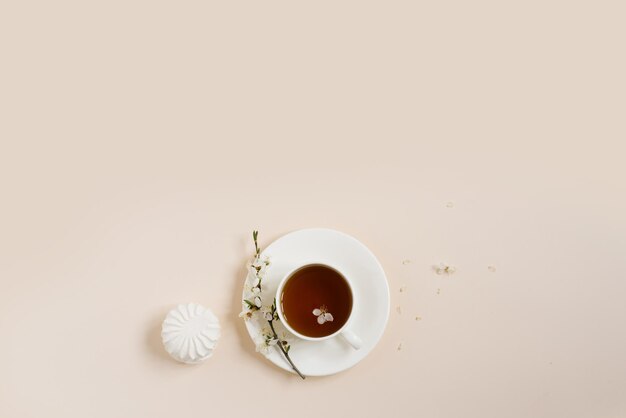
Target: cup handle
[354,340]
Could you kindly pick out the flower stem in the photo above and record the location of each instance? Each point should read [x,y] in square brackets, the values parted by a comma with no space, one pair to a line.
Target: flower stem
[257,250]
[280,345]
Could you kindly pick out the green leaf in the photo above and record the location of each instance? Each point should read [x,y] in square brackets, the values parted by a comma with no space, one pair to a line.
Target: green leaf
[250,304]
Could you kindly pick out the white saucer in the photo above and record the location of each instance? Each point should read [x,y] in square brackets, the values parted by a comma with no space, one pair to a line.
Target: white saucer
[371,298]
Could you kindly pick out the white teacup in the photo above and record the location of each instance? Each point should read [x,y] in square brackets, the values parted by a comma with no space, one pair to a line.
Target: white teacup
[348,335]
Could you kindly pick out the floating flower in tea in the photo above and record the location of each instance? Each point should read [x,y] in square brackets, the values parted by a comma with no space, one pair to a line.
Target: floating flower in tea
[323,315]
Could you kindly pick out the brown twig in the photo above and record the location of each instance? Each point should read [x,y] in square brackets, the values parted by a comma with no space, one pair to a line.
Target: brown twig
[257,251]
[280,345]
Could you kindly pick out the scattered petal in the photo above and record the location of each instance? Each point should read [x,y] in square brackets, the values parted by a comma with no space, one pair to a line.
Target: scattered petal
[328,317]
[444,269]
[321,319]
[317,312]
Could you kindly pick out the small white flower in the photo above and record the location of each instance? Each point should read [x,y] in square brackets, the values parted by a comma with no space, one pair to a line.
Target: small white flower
[256,282]
[267,313]
[257,302]
[256,290]
[258,267]
[264,261]
[327,317]
[323,315]
[262,347]
[261,344]
[265,340]
[253,279]
[251,273]
[246,314]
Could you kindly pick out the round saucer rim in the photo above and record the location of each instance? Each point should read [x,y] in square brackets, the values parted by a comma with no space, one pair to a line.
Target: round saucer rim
[276,359]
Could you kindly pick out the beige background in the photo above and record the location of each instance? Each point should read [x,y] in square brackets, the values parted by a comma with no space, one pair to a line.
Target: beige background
[142,141]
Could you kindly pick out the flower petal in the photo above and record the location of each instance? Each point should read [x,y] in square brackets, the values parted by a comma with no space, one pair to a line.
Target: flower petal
[328,316]
[245,315]
[262,348]
[317,312]
[321,319]
[257,302]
